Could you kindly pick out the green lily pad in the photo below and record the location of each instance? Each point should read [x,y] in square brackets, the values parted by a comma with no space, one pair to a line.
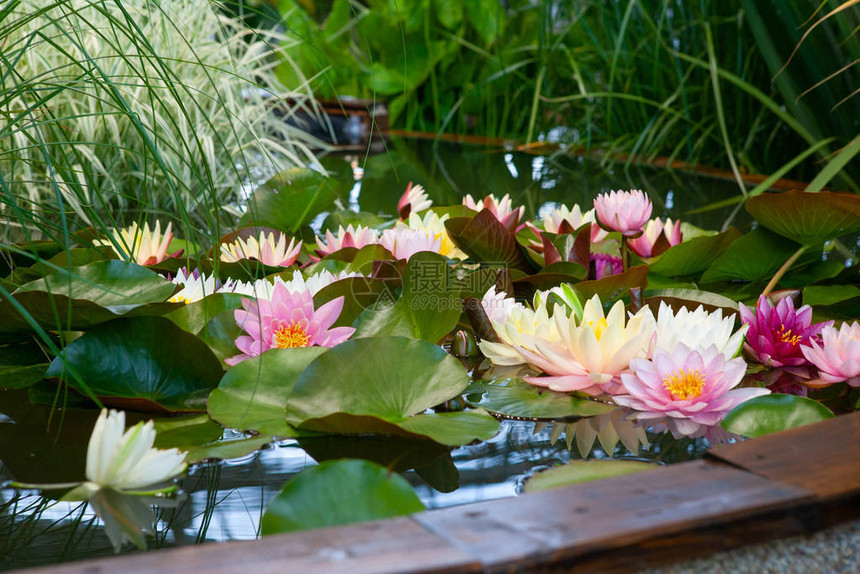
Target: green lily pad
[347,217]
[185,432]
[517,398]
[253,395]
[694,256]
[291,200]
[613,286]
[773,413]
[339,492]
[807,218]
[816,295]
[691,299]
[359,294]
[193,317]
[226,449]
[21,376]
[428,308]
[754,257]
[579,471]
[140,363]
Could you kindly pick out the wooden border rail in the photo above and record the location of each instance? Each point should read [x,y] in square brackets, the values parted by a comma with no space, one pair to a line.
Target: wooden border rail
[788,483]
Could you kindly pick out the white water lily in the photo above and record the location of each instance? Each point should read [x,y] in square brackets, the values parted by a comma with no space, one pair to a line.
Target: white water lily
[513,321]
[196,286]
[143,246]
[124,460]
[269,248]
[263,288]
[698,330]
[592,353]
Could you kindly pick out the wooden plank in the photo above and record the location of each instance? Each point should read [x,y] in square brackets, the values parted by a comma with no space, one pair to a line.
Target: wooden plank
[823,457]
[697,506]
[396,545]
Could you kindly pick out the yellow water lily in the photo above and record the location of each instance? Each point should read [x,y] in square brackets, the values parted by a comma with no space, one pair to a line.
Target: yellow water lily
[512,322]
[592,353]
[432,223]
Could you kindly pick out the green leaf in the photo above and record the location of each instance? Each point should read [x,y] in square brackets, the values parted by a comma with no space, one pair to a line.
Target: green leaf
[807,218]
[578,471]
[486,17]
[829,294]
[754,257]
[449,12]
[613,286]
[253,395]
[290,200]
[193,317]
[694,256]
[453,428]
[21,376]
[390,378]
[339,492]
[185,432]
[345,217]
[691,299]
[227,449]
[773,413]
[141,363]
[359,294]
[517,398]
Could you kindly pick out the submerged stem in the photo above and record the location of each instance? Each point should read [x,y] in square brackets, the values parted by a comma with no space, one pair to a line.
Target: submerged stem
[782,270]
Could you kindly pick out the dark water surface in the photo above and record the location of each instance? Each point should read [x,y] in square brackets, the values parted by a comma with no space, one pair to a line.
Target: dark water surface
[224,501]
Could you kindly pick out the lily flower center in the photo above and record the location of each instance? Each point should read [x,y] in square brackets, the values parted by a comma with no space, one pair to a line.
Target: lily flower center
[598,327]
[179,299]
[291,335]
[684,384]
[786,337]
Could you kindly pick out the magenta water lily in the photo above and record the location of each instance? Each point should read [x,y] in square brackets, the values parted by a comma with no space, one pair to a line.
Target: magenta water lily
[778,333]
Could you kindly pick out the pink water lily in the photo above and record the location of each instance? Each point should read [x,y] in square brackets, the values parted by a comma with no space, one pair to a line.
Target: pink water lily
[502,209]
[413,200]
[777,334]
[605,265]
[403,242]
[657,238]
[358,237]
[838,355]
[693,388]
[624,211]
[288,320]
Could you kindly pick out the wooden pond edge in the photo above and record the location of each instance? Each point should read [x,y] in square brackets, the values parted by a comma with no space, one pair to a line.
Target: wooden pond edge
[789,483]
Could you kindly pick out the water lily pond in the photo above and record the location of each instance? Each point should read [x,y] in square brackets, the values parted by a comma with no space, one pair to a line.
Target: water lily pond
[431,326]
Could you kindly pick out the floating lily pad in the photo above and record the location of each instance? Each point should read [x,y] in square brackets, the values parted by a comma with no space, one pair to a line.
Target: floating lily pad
[291,199]
[754,257]
[226,449]
[185,432]
[517,398]
[428,308]
[84,296]
[690,299]
[347,391]
[21,376]
[140,363]
[773,413]
[193,317]
[345,217]
[253,395]
[694,256]
[359,294]
[579,471]
[339,492]
[807,218]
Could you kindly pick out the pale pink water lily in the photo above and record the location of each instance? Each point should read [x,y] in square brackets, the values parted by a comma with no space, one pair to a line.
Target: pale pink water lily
[693,388]
[778,333]
[269,249]
[197,285]
[432,223]
[502,209]
[563,219]
[403,242]
[288,320]
[358,237]
[623,211]
[657,238]
[593,353]
[413,200]
[838,355]
[143,246]
[124,460]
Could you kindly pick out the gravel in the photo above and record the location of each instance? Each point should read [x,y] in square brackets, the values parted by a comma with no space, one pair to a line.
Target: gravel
[835,550]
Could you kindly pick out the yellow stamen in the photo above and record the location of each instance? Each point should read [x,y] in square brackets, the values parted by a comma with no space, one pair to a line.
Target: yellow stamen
[786,337]
[598,327]
[684,384]
[291,336]
[179,299]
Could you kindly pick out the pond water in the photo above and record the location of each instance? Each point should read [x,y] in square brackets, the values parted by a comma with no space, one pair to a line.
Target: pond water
[225,501]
